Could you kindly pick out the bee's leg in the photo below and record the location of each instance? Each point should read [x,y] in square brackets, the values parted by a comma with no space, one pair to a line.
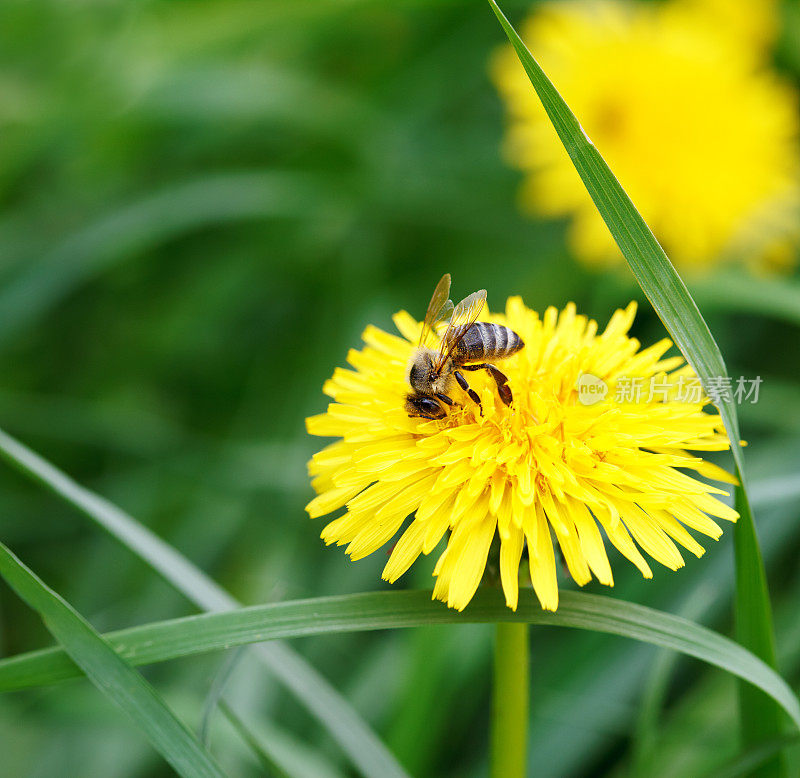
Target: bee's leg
[503,389]
[462,382]
[445,399]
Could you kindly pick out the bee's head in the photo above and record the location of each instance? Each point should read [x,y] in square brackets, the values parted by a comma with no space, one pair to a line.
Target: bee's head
[422,405]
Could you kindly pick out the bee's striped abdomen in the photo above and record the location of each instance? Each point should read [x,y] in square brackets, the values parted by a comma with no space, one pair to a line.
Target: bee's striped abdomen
[485,341]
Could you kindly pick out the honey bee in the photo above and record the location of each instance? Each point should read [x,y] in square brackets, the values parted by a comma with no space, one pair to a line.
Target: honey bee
[467,344]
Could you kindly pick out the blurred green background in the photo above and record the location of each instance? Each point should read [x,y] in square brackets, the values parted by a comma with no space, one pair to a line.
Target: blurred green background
[203,205]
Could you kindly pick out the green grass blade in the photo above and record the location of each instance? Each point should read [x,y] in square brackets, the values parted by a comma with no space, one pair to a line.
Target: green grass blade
[388,610]
[350,731]
[110,673]
[679,313]
[760,721]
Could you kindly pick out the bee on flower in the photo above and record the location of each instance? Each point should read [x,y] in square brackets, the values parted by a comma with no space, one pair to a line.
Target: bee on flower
[515,474]
[465,345]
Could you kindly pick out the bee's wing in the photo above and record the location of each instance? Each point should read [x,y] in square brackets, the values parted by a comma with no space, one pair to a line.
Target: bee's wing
[464,316]
[440,309]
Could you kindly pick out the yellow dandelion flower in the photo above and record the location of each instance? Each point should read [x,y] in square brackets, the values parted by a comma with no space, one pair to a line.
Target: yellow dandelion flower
[683,106]
[506,484]
[754,24]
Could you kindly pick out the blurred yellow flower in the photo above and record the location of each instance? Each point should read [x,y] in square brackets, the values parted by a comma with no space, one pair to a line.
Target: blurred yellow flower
[552,464]
[679,99]
[754,24]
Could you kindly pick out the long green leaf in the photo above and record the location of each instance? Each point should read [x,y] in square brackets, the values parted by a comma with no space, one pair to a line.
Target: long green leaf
[679,313]
[110,673]
[759,721]
[354,736]
[388,610]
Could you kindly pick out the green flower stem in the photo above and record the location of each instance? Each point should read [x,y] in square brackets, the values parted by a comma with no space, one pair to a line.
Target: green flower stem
[509,735]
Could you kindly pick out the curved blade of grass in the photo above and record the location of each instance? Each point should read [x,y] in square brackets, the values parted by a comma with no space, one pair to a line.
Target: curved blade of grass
[388,610]
[350,731]
[110,673]
[679,313]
